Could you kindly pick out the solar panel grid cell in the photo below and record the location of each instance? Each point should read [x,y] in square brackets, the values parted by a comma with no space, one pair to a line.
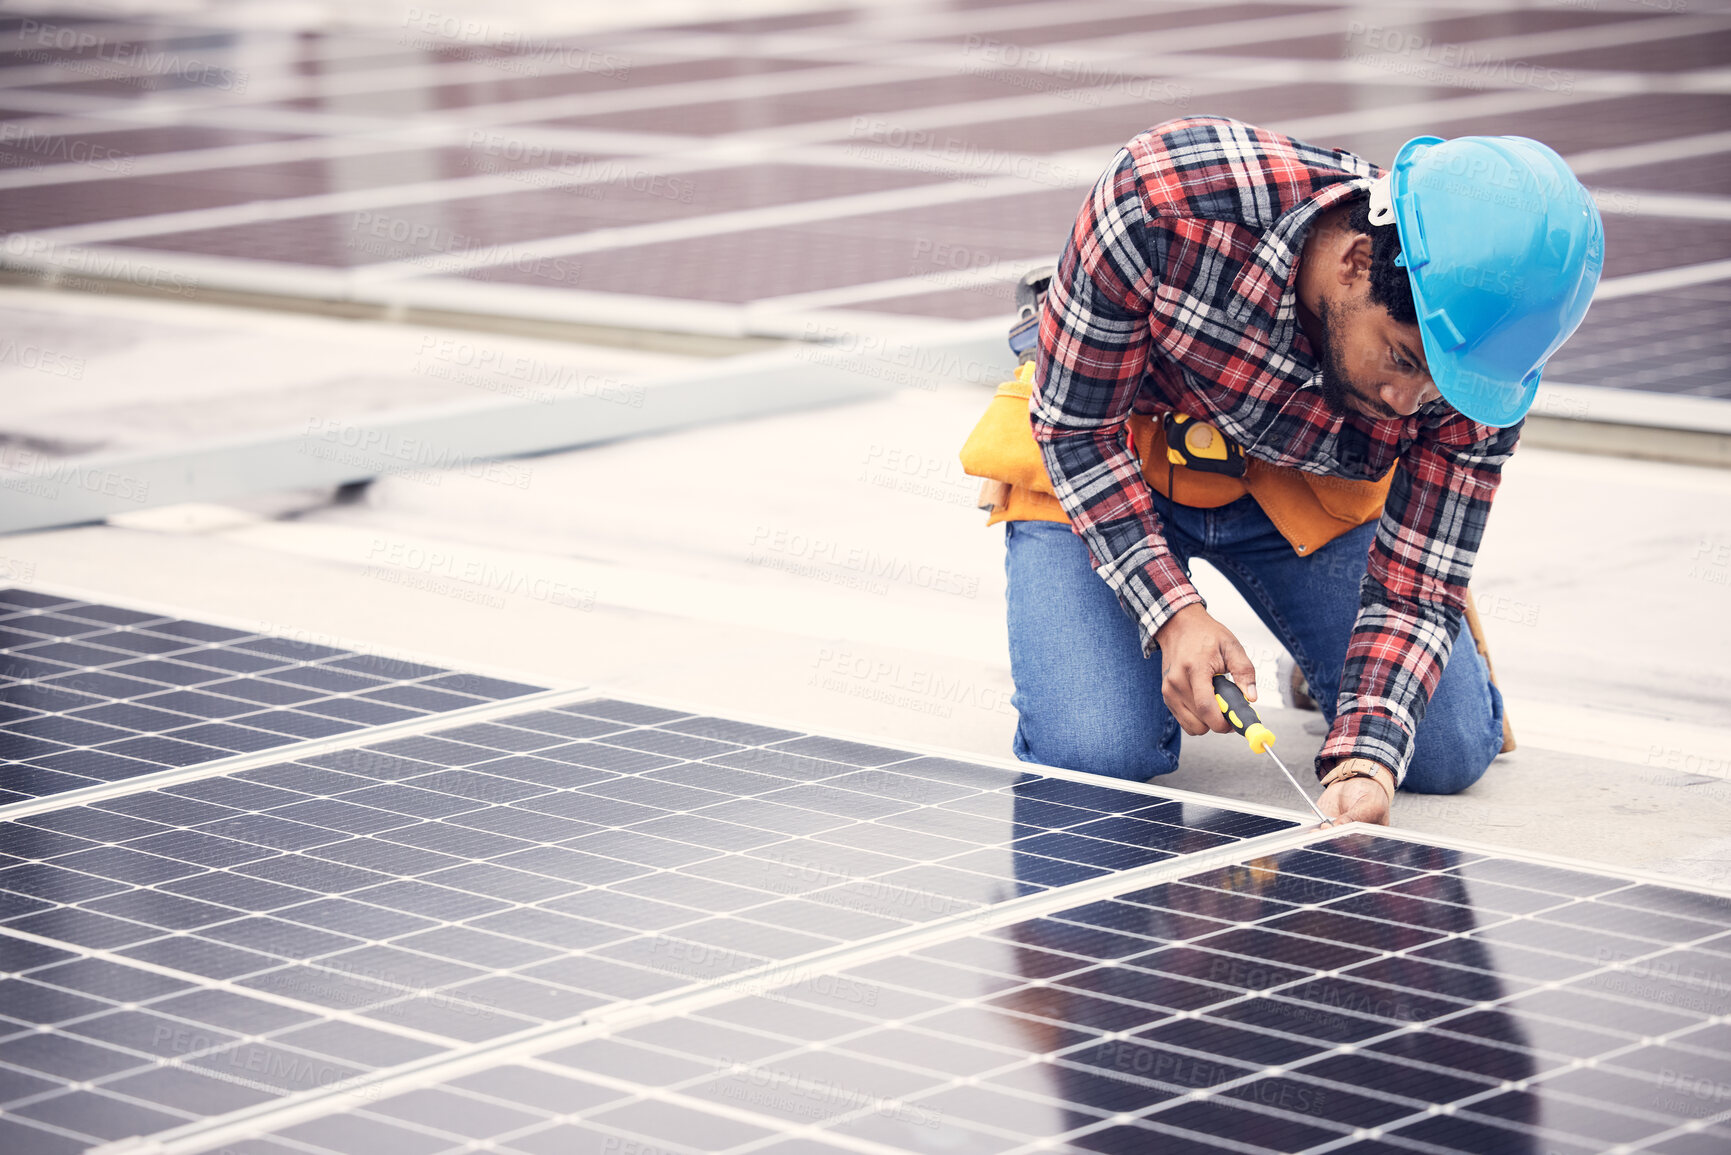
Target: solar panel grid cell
[93,693]
[1058,1028]
[448,888]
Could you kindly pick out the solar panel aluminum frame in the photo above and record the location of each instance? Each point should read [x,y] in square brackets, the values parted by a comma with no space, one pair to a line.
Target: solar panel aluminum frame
[932,750]
[771,973]
[557,693]
[1177,870]
[212,1134]
[754,384]
[317,638]
[258,1121]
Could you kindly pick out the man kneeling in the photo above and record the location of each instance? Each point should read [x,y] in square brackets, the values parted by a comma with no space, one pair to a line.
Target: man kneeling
[1308,372]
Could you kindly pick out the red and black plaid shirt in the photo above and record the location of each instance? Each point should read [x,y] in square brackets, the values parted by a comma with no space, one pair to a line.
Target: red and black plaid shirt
[1178,290]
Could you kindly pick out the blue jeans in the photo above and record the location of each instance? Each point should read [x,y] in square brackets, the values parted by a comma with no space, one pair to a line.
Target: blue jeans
[1088,699]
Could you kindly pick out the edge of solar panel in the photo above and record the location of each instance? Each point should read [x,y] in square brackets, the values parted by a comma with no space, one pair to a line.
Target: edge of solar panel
[195,1137]
[860,748]
[621,1015]
[210,1134]
[601,690]
[235,622]
[544,688]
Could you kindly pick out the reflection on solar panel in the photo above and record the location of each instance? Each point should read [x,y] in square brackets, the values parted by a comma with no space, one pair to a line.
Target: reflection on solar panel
[1325,998]
[95,693]
[220,943]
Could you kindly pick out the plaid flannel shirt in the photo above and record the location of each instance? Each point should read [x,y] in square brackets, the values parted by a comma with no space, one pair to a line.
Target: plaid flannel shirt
[1178,290]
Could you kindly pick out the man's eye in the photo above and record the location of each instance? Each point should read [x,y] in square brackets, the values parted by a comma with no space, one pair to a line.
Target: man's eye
[1400,362]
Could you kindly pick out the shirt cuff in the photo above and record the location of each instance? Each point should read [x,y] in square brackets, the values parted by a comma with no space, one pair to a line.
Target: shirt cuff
[1156,591]
[1377,737]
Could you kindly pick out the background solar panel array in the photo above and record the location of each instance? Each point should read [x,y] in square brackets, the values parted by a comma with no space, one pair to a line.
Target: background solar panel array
[1322,999]
[93,693]
[901,164]
[288,927]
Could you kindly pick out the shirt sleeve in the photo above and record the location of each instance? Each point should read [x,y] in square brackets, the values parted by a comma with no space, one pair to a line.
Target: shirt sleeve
[1094,346]
[1414,594]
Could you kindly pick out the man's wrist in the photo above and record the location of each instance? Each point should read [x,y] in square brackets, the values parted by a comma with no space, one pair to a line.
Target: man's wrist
[1361,767]
[1178,619]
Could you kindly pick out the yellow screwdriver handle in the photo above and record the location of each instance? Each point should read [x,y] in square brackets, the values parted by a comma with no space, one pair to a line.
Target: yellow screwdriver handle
[1241,715]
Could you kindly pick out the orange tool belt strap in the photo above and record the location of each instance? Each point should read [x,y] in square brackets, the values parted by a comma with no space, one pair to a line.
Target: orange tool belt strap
[1309,510]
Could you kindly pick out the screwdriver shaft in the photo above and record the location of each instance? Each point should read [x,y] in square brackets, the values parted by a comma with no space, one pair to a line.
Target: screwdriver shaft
[1241,715]
[1302,792]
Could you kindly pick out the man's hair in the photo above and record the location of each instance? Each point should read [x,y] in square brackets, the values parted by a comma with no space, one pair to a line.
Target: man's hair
[1389,286]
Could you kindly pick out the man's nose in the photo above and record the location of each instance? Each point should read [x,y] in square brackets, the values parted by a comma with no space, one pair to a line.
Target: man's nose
[1405,397]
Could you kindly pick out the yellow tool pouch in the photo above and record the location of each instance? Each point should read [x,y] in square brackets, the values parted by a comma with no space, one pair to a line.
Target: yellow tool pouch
[1308,510]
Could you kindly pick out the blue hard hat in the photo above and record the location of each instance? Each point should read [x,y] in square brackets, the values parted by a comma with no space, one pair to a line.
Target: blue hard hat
[1503,246]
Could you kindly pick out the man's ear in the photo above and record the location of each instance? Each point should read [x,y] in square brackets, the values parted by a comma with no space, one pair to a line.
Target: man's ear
[1354,267]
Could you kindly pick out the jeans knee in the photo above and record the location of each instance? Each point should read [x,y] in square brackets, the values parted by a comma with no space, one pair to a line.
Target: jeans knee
[1455,750]
[1126,753]
[1448,775]
[1456,745]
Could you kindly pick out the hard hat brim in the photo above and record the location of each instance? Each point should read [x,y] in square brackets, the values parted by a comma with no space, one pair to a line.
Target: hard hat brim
[1477,395]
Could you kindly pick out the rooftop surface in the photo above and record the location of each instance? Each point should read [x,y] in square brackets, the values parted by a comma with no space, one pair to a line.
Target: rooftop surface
[249,230]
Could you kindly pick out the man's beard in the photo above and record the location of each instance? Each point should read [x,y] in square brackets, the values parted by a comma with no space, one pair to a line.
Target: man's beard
[1335,389]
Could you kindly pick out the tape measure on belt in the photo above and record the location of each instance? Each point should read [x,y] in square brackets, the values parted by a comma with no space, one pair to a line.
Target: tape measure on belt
[1198,445]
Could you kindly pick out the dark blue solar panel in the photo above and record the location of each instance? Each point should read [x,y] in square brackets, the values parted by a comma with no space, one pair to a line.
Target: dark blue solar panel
[93,693]
[449,888]
[1331,998]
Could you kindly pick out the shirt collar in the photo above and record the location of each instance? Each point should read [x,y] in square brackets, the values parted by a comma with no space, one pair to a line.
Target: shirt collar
[1277,254]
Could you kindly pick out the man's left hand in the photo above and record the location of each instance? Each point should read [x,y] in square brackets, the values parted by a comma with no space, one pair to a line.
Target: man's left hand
[1360,799]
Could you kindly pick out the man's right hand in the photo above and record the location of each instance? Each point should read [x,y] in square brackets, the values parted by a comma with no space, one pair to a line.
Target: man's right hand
[1193,648]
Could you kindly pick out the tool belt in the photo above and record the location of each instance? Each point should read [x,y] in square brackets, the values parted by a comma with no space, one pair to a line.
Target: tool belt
[1309,510]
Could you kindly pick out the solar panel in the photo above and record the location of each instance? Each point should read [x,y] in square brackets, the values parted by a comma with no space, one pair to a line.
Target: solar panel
[899,166]
[217,944]
[1358,994]
[93,693]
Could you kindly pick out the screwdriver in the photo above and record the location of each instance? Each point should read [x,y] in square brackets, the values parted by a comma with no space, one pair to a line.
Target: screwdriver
[1243,719]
